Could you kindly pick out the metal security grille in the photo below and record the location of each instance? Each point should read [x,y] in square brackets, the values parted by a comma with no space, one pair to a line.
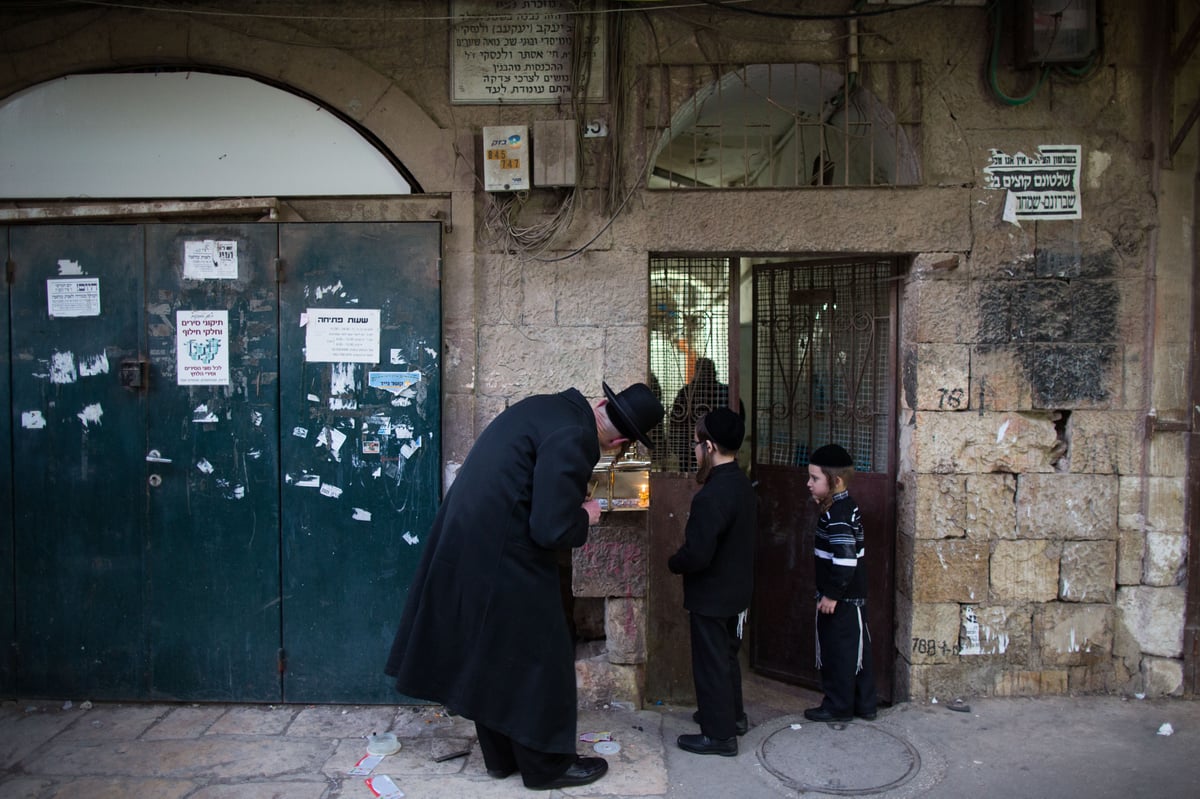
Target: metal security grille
[822,361]
[689,330]
[772,125]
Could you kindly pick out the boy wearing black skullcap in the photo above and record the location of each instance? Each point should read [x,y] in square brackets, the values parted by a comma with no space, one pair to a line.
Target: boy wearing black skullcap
[717,564]
[843,641]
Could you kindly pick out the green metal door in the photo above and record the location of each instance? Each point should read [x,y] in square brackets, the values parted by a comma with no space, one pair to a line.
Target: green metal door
[78,499]
[8,672]
[211,462]
[360,400]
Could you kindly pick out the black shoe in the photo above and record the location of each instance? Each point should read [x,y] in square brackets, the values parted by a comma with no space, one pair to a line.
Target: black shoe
[583,771]
[821,714]
[500,773]
[867,716]
[703,745]
[742,726]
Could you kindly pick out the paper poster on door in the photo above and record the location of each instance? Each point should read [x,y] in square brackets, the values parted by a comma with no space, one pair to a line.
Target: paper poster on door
[202,348]
[210,260]
[75,296]
[339,335]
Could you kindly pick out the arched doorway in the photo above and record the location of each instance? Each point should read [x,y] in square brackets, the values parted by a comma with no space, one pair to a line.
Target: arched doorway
[227,428]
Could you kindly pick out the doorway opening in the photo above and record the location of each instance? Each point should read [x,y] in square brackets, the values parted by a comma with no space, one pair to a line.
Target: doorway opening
[808,346]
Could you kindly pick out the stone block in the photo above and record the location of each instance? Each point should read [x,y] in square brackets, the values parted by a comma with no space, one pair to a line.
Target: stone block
[517,361]
[944,682]
[1131,550]
[996,631]
[943,374]
[1025,571]
[1162,677]
[599,683]
[1168,454]
[1073,635]
[934,636]
[1130,515]
[1088,571]
[926,320]
[1104,442]
[616,277]
[950,571]
[956,443]
[905,564]
[1154,618]
[939,265]
[613,561]
[625,629]
[1047,682]
[991,509]
[1067,506]
[1165,506]
[1166,558]
[940,506]
[998,381]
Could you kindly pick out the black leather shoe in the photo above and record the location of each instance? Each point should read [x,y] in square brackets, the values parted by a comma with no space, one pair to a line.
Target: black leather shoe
[500,773]
[867,716]
[583,771]
[821,714]
[742,726]
[703,745]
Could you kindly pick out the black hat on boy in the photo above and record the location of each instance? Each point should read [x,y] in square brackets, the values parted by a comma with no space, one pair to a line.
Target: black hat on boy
[831,456]
[635,411]
[725,427]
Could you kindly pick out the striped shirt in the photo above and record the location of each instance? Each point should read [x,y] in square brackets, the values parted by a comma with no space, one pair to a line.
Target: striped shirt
[839,549]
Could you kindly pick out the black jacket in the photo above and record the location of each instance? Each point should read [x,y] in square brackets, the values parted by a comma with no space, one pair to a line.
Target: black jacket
[484,631]
[717,556]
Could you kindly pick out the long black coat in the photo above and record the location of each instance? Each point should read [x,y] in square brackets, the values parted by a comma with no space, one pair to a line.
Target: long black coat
[484,631]
[717,556]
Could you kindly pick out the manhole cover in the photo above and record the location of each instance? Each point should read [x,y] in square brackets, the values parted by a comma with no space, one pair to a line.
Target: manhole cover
[839,758]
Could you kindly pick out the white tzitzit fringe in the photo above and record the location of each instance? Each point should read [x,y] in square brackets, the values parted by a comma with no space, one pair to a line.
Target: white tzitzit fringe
[745,614]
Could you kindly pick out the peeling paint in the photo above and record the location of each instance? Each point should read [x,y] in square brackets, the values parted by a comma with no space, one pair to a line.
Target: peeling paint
[62,368]
[95,365]
[336,288]
[360,515]
[411,539]
[91,414]
[69,267]
[1003,429]
[330,490]
[33,420]
[204,466]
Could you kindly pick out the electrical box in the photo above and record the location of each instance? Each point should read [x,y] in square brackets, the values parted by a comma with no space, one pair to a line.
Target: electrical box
[1055,31]
[555,152]
[506,158]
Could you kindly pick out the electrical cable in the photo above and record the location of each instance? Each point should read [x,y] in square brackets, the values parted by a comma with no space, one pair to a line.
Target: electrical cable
[820,17]
[993,66]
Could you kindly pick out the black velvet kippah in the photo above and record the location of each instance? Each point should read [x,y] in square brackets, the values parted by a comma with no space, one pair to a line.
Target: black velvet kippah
[831,456]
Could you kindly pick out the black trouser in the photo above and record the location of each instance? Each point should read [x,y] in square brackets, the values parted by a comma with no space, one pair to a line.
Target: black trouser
[717,674]
[848,689]
[501,753]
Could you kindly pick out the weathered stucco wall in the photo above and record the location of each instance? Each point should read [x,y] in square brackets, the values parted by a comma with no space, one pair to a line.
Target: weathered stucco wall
[1042,540]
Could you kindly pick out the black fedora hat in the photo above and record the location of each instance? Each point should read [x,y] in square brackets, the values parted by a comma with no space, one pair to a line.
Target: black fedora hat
[635,411]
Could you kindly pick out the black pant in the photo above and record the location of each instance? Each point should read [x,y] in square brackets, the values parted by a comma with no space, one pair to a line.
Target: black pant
[848,689]
[501,753]
[717,674]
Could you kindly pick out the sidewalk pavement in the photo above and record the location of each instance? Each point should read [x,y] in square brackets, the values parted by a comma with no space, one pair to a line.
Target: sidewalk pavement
[1094,747]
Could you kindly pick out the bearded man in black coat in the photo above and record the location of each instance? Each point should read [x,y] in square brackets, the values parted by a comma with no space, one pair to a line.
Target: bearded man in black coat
[484,631]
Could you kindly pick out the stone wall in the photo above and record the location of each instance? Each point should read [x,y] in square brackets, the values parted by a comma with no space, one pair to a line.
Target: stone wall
[1041,542]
